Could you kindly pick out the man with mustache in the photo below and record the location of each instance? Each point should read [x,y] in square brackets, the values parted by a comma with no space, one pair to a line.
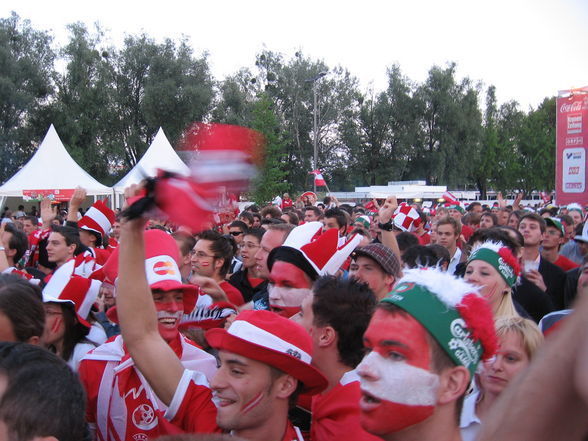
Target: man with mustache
[425,341]
[121,404]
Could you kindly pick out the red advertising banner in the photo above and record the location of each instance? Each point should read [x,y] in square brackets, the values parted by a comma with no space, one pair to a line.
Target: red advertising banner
[54,195]
[572,146]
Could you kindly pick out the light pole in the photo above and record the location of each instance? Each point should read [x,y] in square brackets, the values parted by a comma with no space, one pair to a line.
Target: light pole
[315,122]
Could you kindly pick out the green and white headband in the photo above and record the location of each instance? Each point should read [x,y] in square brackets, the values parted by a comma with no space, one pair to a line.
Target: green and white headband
[451,310]
[500,257]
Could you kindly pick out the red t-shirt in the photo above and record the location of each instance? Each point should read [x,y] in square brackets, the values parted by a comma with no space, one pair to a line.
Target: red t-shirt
[564,263]
[123,407]
[335,414]
[425,239]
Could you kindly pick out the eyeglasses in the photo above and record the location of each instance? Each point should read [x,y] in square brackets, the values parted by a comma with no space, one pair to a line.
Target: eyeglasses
[202,255]
[235,233]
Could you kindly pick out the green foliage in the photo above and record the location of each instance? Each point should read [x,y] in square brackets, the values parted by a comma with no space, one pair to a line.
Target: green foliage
[26,84]
[271,180]
[107,104]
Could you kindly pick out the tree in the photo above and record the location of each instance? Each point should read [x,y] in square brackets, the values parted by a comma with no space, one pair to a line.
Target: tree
[487,165]
[450,128]
[26,84]
[537,148]
[271,179]
[83,111]
[157,85]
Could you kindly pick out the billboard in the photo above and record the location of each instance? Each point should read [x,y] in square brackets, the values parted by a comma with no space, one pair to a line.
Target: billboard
[571,145]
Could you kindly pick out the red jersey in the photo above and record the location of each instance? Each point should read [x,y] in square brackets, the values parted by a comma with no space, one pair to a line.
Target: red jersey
[335,414]
[425,239]
[122,405]
[564,263]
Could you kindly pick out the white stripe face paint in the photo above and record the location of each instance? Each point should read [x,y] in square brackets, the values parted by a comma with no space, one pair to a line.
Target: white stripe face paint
[397,381]
[282,296]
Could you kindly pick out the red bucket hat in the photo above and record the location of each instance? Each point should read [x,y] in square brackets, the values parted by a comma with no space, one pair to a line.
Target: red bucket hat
[274,340]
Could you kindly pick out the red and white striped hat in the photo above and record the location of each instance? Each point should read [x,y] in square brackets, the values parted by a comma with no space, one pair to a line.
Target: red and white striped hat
[406,217]
[99,218]
[66,287]
[161,267]
[274,340]
[324,252]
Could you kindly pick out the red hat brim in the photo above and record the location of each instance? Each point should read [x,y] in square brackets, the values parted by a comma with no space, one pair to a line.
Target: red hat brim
[311,378]
[190,292]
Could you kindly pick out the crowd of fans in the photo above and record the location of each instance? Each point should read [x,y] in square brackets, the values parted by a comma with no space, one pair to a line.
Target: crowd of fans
[297,320]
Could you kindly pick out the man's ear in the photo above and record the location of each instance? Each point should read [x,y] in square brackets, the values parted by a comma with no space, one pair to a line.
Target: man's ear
[72,248]
[453,383]
[34,340]
[327,336]
[285,386]
[218,263]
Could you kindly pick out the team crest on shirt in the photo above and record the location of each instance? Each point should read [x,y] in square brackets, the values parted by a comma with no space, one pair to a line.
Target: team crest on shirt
[140,437]
[144,417]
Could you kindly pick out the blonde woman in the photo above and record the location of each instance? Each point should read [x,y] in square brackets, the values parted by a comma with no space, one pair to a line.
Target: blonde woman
[492,267]
[519,339]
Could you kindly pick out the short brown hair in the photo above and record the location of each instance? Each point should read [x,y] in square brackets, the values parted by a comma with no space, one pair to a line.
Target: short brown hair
[535,217]
[448,220]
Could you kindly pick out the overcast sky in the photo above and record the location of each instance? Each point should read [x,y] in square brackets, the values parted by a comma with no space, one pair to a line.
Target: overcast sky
[528,49]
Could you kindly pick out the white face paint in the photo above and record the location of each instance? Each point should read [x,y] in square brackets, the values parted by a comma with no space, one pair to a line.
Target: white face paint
[397,381]
[282,296]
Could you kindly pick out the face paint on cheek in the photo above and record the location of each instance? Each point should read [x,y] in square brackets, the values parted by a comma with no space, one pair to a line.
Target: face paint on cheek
[282,296]
[395,394]
[252,404]
[56,325]
[286,301]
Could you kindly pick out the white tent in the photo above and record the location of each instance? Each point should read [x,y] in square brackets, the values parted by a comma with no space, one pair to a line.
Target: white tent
[160,154]
[52,168]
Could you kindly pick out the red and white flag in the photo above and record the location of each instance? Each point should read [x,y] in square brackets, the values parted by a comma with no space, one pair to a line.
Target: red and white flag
[450,198]
[318,178]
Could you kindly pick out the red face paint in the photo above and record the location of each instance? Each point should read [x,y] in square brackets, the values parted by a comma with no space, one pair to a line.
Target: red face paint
[289,286]
[170,308]
[401,346]
[56,324]
[253,403]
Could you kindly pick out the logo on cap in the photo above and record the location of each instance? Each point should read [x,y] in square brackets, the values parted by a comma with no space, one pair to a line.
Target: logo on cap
[163,268]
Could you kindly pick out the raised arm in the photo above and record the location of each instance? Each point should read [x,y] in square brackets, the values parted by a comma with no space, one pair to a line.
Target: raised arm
[386,212]
[75,203]
[138,318]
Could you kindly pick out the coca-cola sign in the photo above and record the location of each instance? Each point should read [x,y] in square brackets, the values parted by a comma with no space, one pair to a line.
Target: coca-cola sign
[571,171]
[574,106]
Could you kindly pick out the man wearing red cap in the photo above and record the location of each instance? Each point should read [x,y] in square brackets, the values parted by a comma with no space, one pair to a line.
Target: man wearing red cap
[264,360]
[121,404]
[308,252]
[425,341]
